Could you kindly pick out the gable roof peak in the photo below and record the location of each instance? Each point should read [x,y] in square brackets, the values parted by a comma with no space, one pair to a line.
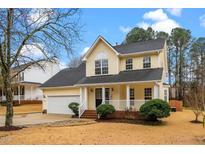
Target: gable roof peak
[94,44]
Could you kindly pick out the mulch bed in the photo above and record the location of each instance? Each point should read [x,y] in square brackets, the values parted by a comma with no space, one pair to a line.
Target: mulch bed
[132,121]
[12,128]
[62,123]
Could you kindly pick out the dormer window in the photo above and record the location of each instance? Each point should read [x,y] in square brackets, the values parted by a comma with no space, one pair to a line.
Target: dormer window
[101,66]
[146,62]
[129,64]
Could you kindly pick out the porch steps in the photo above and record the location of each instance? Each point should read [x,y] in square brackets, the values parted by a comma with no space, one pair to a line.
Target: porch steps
[89,114]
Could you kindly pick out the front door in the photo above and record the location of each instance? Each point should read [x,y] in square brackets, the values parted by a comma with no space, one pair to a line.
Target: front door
[98,96]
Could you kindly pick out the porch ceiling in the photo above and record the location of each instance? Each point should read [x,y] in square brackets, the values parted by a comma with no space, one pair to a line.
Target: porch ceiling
[125,76]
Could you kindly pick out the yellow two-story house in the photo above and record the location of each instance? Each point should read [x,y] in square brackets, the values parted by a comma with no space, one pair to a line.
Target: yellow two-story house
[123,75]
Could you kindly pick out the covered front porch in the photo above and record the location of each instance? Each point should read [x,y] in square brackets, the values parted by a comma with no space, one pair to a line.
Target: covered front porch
[123,96]
[23,91]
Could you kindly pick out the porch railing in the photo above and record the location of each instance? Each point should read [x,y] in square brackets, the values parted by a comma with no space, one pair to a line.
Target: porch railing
[121,105]
[18,97]
[22,97]
[82,108]
[15,97]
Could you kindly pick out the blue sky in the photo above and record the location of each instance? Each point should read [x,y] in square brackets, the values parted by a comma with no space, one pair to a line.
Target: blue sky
[113,24]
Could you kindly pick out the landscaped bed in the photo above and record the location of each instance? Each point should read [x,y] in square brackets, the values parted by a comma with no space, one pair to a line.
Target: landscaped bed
[177,129]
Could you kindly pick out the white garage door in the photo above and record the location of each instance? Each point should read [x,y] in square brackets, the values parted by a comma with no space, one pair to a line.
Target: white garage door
[59,104]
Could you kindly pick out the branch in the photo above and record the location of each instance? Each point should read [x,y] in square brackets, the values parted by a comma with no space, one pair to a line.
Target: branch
[27,37]
[2,58]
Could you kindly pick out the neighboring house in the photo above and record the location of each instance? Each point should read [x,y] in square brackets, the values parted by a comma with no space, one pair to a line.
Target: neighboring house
[26,84]
[123,75]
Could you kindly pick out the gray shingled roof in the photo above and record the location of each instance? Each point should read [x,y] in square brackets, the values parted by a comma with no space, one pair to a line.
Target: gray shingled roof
[126,76]
[66,77]
[140,46]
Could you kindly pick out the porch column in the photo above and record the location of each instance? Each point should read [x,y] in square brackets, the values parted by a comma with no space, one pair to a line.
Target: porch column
[19,99]
[86,97]
[119,93]
[81,95]
[128,96]
[103,95]
[156,91]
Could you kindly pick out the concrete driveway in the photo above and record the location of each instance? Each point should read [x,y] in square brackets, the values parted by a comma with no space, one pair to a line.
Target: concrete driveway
[34,118]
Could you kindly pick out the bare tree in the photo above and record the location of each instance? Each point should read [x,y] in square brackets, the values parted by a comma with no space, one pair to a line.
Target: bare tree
[194,99]
[50,31]
[194,103]
[75,61]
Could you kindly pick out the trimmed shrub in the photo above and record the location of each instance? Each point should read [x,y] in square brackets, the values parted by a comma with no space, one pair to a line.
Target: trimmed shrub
[154,109]
[74,107]
[104,109]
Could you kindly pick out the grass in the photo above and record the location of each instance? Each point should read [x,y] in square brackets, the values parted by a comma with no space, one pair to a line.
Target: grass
[23,109]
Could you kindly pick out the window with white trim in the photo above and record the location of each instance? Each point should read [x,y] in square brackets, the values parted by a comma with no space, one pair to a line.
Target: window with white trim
[165,95]
[148,93]
[107,95]
[146,62]
[132,93]
[101,66]
[132,96]
[129,64]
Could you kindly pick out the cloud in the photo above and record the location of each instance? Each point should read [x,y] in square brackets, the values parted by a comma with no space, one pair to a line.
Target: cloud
[143,25]
[85,50]
[175,11]
[125,29]
[159,21]
[165,25]
[202,20]
[157,15]
[33,49]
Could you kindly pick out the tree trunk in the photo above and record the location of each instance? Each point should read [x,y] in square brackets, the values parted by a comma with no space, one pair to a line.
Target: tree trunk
[180,74]
[196,118]
[169,72]
[9,99]
[176,76]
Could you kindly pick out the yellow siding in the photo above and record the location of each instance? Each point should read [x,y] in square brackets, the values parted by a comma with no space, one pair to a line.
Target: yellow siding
[139,90]
[91,97]
[102,48]
[161,89]
[66,91]
[163,62]
[138,61]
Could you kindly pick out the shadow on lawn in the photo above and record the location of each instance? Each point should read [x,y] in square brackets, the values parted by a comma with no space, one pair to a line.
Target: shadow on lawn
[196,122]
[136,122]
[12,128]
